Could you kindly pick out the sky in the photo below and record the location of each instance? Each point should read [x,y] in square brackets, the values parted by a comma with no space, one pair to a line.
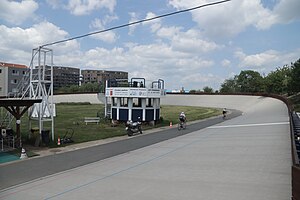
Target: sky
[190,50]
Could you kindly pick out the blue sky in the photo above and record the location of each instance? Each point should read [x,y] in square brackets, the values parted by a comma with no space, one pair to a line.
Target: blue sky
[191,50]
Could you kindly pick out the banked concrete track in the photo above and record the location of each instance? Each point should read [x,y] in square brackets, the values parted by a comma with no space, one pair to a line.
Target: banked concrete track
[247,157]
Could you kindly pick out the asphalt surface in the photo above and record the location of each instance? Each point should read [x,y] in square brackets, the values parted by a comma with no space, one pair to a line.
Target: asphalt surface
[247,157]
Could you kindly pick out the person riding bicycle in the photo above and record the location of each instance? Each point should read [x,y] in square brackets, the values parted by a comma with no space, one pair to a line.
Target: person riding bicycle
[182,117]
[224,112]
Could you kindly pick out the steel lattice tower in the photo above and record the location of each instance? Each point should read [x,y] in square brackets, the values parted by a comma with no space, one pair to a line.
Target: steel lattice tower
[41,87]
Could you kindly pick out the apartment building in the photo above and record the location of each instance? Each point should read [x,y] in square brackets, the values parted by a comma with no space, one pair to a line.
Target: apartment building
[12,77]
[100,76]
[65,76]
[62,76]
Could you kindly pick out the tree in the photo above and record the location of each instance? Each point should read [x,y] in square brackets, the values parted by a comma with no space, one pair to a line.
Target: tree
[90,87]
[294,82]
[277,81]
[250,81]
[229,86]
[207,89]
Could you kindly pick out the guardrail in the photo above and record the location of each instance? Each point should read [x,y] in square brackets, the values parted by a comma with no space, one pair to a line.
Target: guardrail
[296,166]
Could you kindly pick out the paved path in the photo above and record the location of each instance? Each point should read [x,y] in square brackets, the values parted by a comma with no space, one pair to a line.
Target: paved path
[247,157]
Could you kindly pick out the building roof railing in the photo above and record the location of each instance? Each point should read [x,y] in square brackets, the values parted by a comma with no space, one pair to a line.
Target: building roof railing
[135,88]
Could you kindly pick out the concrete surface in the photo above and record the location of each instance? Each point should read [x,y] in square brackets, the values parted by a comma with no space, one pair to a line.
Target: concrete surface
[67,98]
[247,157]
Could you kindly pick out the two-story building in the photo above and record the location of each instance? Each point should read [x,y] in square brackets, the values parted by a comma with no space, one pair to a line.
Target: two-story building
[134,100]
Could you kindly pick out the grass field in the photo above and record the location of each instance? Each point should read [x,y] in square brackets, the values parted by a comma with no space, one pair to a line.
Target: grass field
[71,116]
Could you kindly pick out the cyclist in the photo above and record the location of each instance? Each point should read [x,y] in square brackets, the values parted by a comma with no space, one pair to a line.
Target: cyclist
[182,118]
[182,121]
[224,112]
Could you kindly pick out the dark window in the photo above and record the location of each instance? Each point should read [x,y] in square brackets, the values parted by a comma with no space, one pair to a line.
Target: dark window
[15,72]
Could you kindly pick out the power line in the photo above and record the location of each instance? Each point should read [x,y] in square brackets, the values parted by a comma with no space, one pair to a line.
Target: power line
[137,22]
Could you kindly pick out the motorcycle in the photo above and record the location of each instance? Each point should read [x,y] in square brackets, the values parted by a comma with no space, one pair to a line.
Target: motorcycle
[133,127]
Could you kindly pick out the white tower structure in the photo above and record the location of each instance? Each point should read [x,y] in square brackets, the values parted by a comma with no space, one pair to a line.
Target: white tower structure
[41,87]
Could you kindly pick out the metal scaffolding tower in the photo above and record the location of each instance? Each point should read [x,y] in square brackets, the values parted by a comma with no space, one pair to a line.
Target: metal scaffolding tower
[41,87]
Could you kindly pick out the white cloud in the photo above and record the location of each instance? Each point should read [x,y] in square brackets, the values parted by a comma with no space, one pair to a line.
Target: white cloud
[82,7]
[258,60]
[225,63]
[98,24]
[133,18]
[158,59]
[287,10]
[78,7]
[17,12]
[192,42]
[108,37]
[266,61]
[17,43]
[168,32]
[231,18]
[227,19]
[154,24]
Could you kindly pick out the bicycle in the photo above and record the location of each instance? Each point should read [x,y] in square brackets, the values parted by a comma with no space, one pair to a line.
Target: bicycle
[224,113]
[181,125]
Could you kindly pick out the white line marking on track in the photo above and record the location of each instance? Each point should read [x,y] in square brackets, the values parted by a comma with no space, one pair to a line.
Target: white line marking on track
[249,125]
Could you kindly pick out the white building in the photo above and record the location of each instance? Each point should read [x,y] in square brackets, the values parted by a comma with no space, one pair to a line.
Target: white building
[11,77]
[136,100]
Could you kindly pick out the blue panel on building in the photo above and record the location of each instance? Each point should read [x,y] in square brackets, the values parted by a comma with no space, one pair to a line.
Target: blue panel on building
[137,113]
[114,114]
[149,115]
[123,114]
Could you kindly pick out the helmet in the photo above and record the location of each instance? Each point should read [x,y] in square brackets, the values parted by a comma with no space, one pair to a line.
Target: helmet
[182,113]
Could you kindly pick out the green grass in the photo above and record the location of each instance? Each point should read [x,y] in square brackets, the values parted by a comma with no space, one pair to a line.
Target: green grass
[171,113]
[72,116]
